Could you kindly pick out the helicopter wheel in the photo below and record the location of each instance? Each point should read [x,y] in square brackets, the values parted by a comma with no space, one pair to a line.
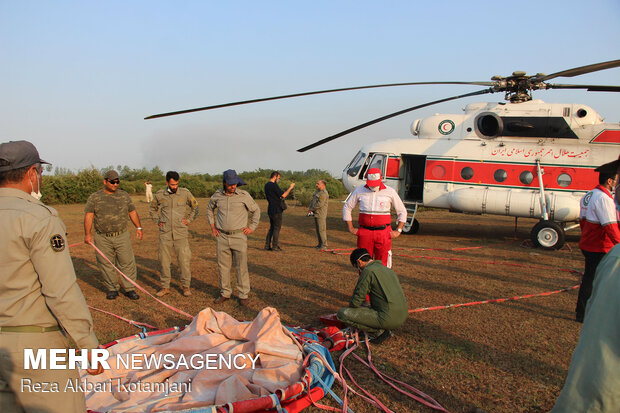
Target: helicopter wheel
[415,227]
[548,235]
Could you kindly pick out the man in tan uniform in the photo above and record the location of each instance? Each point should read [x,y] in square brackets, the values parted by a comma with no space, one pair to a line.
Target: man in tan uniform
[109,208]
[318,209]
[39,296]
[176,208]
[230,228]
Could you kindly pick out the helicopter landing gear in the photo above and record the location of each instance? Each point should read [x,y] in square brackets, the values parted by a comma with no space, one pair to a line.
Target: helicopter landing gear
[548,235]
[413,229]
[412,225]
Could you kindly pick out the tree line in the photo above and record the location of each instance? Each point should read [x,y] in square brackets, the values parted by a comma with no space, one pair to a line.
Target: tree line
[63,186]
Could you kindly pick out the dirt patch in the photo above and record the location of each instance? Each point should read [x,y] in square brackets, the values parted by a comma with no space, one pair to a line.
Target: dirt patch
[510,357]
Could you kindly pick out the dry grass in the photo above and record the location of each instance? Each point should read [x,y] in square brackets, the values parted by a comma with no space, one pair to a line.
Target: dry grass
[508,357]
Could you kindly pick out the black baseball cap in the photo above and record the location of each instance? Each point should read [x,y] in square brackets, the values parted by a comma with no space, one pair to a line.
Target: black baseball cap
[18,154]
[610,167]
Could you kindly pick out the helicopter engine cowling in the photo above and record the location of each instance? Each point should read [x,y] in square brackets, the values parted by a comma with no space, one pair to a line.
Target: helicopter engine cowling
[526,204]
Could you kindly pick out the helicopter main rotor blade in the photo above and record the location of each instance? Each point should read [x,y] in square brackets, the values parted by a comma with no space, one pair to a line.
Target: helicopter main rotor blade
[589,88]
[391,115]
[294,95]
[579,70]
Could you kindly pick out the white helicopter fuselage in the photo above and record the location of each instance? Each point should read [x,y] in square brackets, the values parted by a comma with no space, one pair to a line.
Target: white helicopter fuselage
[529,159]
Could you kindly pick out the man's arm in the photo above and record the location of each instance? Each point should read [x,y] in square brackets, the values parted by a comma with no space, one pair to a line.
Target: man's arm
[154,208]
[88,225]
[193,208]
[361,290]
[254,211]
[605,211]
[211,216]
[323,198]
[288,191]
[59,286]
[133,215]
[347,209]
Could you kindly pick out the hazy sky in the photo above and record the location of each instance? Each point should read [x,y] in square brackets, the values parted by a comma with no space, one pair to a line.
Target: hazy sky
[78,77]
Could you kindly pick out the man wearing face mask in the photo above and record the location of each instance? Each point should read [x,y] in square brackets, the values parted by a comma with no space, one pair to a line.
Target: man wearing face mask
[598,220]
[375,230]
[388,305]
[230,228]
[176,208]
[108,209]
[40,296]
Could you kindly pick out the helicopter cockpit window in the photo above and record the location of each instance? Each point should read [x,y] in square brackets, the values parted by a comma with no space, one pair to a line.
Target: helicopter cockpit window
[500,175]
[526,177]
[564,180]
[467,173]
[378,160]
[356,164]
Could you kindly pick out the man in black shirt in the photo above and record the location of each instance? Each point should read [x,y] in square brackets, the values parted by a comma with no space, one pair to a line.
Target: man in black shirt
[275,196]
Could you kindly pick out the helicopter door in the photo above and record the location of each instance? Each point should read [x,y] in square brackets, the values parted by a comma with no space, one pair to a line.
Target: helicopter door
[414,167]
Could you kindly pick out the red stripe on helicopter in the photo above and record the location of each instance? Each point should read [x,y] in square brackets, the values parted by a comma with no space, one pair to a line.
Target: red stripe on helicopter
[607,136]
[511,175]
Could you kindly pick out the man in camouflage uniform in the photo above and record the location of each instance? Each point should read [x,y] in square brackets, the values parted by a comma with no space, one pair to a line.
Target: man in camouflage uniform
[230,228]
[176,208]
[40,296]
[109,208]
[318,209]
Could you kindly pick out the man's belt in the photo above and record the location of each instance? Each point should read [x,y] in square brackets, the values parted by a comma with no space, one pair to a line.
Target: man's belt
[234,231]
[111,234]
[380,227]
[28,329]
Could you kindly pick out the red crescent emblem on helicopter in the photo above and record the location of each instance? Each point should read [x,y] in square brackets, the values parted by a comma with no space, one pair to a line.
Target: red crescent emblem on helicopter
[446,127]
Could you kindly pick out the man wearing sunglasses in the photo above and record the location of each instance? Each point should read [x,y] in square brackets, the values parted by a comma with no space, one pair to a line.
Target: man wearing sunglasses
[108,209]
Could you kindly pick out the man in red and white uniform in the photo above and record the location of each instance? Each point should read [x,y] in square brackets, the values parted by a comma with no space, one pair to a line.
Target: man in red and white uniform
[598,220]
[375,230]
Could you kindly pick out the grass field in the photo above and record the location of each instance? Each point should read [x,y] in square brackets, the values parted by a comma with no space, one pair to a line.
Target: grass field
[506,357]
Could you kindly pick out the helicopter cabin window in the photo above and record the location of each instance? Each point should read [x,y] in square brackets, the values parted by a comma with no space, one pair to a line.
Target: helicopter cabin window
[438,172]
[500,175]
[564,180]
[356,164]
[467,173]
[526,177]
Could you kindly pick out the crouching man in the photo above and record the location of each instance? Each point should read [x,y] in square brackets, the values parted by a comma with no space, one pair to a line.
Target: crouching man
[388,305]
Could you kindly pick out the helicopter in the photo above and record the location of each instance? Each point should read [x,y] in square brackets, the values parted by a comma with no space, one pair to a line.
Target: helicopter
[522,157]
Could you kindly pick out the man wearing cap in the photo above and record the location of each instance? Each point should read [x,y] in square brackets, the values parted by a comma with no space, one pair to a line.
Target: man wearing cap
[230,228]
[388,305]
[375,230]
[108,209]
[318,209]
[175,207]
[598,220]
[40,296]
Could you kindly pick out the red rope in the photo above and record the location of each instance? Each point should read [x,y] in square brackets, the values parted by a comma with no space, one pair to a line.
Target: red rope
[123,318]
[138,286]
[509,264]
[423,398]
[497,300]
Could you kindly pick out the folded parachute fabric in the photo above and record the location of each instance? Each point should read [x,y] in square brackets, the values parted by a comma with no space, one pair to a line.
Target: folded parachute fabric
[213,361]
